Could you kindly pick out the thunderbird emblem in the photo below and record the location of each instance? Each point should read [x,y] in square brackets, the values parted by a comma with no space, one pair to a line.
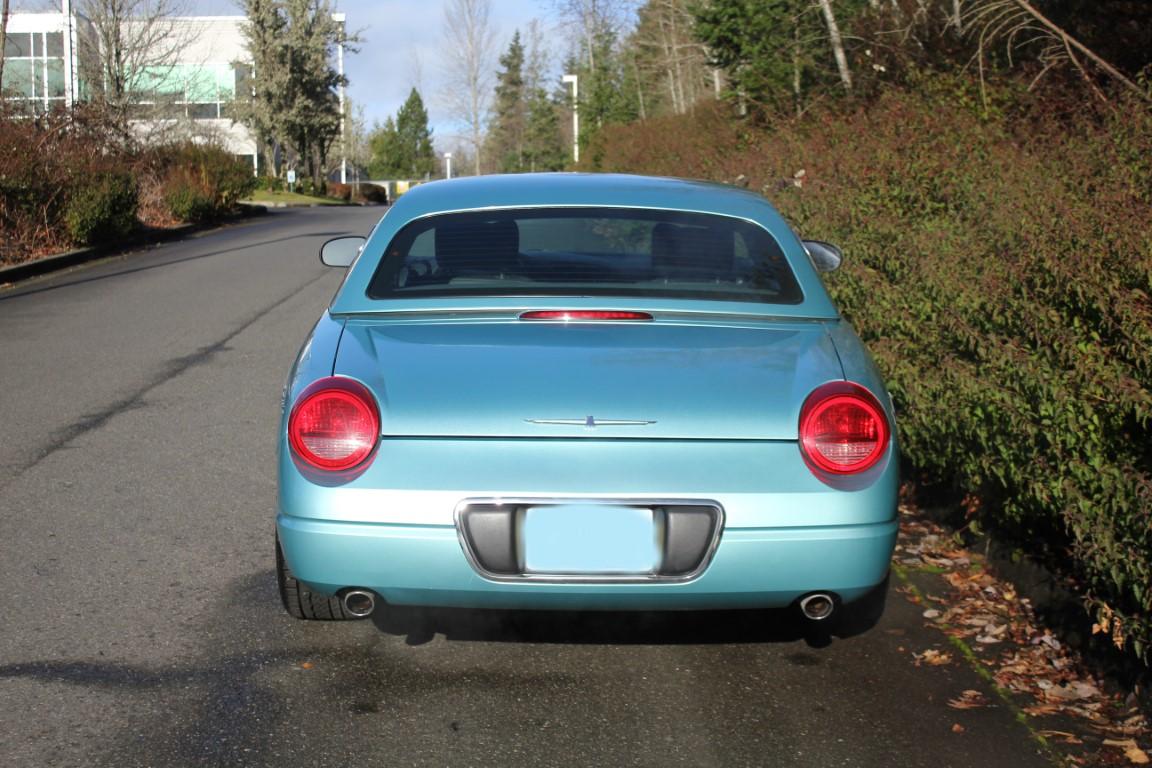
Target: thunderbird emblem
[591,422]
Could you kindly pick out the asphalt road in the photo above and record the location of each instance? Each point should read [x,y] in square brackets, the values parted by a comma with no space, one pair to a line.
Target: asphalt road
[139,621]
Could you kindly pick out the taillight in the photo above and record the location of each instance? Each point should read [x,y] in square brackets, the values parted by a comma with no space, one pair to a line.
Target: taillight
[334,425]
[843,429]
[584,315]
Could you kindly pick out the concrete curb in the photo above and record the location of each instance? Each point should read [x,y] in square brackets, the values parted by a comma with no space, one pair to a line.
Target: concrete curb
[59,261]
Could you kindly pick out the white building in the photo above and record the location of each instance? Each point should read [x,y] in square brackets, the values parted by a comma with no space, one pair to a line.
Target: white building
[185,90]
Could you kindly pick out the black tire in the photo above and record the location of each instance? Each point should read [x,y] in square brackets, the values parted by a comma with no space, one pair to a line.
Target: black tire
[859,616]
[301,602]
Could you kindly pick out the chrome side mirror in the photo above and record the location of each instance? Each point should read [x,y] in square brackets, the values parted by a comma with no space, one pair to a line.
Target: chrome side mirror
[824,256]
[341,251]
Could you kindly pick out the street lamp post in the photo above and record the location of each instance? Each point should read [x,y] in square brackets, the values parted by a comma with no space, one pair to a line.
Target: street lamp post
[339,18]
[447,165]
[575,81]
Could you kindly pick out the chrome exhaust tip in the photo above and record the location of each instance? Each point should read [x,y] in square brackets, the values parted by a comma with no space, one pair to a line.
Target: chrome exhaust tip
[817,606]
[359,602]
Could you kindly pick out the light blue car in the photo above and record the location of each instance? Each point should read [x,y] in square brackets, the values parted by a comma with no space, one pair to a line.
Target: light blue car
[567,391]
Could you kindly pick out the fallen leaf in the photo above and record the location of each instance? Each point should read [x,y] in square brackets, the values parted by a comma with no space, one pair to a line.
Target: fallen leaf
[933,658]
[1064,736]
[1038,710]
[969,700]
[306,665]
[1135,755]
[957,728]
[931,613]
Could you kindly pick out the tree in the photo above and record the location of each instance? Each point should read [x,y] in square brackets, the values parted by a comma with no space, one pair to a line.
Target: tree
[543,146]
[469,41]
[311,118]
[402,148]
[291,99]
[416,136]
[261,96]
[596,27]
[668,63]
[506,137]
[130,58]
[386,156]
[773,51]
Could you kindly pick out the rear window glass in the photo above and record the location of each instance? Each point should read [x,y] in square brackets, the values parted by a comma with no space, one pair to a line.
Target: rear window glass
[587,252]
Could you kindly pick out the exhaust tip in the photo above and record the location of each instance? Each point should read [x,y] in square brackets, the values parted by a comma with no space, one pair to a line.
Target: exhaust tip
[359,602]
[817,606]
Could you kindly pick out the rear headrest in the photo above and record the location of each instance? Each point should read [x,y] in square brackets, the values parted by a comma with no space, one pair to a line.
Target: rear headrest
[692,252]
[477,247]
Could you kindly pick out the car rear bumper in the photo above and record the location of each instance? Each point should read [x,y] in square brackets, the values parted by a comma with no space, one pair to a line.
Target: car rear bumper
[427,565]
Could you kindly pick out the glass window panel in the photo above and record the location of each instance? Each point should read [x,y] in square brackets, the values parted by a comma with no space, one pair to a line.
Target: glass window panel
[55,77]
[17,44]
[55,44]
[38,79]
[18,76]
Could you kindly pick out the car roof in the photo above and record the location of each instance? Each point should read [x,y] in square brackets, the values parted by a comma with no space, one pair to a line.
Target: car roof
[581,189]
[596,190]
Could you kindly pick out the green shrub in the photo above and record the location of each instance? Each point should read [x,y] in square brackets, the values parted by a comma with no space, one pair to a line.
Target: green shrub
[102,208]
[189,200]
[204,182]
[1001,273]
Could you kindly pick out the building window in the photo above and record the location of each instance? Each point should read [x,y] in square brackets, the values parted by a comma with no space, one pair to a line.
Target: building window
[34,67]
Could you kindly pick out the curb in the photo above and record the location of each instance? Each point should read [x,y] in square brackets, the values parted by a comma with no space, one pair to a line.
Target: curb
[59,261]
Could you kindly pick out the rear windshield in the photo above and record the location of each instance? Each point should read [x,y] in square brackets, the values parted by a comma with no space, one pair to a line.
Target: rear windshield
[586,252]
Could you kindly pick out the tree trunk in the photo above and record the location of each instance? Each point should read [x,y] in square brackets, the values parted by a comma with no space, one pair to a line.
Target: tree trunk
[837,43]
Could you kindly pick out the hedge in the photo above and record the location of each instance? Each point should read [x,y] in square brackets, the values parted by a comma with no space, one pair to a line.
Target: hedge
[1000,271]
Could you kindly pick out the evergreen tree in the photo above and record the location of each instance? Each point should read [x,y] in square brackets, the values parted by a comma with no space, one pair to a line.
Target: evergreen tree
[259,97]
[291,98]
[384,145]
[754,42]
[543,146]
[415,136]
[510,122]
[402,148]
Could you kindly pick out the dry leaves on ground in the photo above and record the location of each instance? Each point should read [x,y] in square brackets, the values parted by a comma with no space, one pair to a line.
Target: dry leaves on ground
[1025,659]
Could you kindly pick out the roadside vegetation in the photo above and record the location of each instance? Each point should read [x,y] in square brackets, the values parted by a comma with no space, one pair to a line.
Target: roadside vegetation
[994,209]
[70,179]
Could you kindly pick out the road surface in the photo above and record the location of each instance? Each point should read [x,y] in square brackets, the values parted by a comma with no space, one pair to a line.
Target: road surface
[139,399]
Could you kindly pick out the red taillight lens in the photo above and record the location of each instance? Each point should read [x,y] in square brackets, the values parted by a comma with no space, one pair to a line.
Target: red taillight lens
[583,315]
[843,428]
[334,425]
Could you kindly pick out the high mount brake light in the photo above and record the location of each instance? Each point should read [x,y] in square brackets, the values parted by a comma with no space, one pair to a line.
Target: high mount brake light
[334,425]
[583,315]
[843,429]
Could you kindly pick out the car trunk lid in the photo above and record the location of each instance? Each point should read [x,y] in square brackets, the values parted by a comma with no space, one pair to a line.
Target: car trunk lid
[666,379]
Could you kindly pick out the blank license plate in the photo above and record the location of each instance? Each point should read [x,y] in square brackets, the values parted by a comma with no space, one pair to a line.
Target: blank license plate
[589,538]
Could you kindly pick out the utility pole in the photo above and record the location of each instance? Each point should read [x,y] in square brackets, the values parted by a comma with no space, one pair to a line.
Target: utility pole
[340,18]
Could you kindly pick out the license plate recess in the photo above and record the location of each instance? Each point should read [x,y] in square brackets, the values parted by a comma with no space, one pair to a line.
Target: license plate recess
[589,539]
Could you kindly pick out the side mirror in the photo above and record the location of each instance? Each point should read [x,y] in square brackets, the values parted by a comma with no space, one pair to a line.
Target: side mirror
[825,256]
[341,251]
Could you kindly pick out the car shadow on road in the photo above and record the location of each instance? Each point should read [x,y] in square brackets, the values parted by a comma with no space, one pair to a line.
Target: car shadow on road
[421,625]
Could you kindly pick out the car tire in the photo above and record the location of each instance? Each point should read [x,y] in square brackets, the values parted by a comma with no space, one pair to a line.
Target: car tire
[861,615]
[301,602]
